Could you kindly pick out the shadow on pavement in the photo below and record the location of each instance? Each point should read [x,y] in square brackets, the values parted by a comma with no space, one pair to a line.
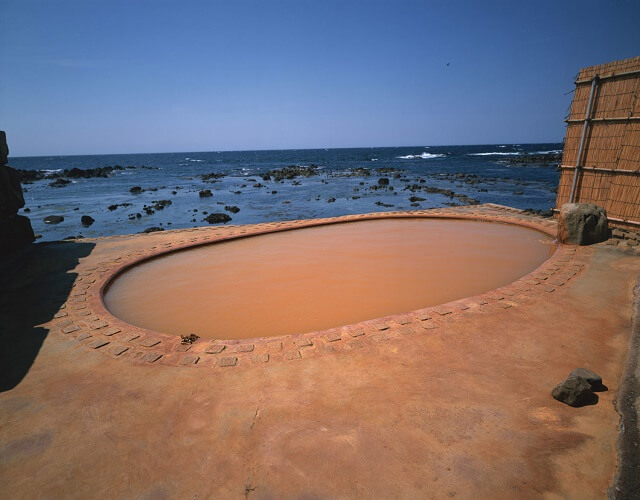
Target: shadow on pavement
[34,283]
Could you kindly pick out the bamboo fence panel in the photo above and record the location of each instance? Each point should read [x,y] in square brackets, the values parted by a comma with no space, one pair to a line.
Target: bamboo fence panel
[609,173]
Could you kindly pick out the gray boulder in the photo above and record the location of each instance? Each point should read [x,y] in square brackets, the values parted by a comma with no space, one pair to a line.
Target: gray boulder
[594,380]
[582,224]
[574,391]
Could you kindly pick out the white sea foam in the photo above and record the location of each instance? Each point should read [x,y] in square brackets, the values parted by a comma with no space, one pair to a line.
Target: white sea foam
[551,152]
[499,153]
[52,171]
[374,159]
[502,146]
[424,156]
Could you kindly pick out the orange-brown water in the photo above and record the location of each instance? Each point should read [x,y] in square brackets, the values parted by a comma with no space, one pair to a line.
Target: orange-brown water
[316,278]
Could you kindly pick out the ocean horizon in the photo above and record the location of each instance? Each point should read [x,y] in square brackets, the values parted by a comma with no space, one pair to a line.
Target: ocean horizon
[319,148]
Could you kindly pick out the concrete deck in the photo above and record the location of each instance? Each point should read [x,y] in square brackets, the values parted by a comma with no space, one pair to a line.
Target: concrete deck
[449,401]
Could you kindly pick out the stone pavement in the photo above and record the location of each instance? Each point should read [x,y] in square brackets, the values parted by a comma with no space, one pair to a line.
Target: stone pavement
[452,400]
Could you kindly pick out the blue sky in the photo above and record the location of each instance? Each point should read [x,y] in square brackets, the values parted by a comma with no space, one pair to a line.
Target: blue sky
[91,77]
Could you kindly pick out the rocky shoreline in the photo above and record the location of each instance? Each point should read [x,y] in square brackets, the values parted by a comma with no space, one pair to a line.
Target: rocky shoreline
[549,158]
[290,189]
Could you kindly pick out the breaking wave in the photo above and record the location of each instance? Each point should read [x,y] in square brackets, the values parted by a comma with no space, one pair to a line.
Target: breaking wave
[424,156]
[497,153]
[551,152]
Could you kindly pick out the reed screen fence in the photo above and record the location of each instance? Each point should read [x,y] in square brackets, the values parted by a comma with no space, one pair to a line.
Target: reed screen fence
[601,160]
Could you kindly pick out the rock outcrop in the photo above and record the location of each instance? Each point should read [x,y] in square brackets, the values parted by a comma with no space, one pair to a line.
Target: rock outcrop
[582,224]
[574,391]
[579,388]
[15,230]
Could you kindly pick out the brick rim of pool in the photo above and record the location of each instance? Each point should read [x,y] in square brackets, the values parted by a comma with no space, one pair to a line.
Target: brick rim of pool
[259,330]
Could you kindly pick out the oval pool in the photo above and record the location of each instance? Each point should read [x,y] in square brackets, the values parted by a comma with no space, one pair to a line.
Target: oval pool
[321,277]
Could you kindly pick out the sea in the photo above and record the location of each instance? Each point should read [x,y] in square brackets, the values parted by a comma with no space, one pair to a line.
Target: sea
[346,181]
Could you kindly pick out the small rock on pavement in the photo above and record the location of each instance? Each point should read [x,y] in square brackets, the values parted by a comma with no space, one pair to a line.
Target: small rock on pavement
[594,380]
[574,391]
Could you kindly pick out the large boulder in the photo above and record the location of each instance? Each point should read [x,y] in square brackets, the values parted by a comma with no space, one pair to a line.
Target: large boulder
[582,224]
[15,230]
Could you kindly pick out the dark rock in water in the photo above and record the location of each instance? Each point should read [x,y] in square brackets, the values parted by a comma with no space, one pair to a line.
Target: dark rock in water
[74,173]
[153,229]
[594,380]
[217,218]
[359,172]
[415,199]
[60,182]
[157,205]
[79,237]
[543,158]
[87,220]
[205,193]
[383,181]
[232,208]
[27,210]
[113,207]
[212,176]
[331,200]
[135,190]
[582,224]
[518,192]
[258,185]
[161,204]
[86,173]
[53,219]
[290,172]
[574,391]
[380,204]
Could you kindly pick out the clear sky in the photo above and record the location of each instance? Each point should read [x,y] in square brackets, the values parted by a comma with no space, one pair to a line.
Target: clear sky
[126,76]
